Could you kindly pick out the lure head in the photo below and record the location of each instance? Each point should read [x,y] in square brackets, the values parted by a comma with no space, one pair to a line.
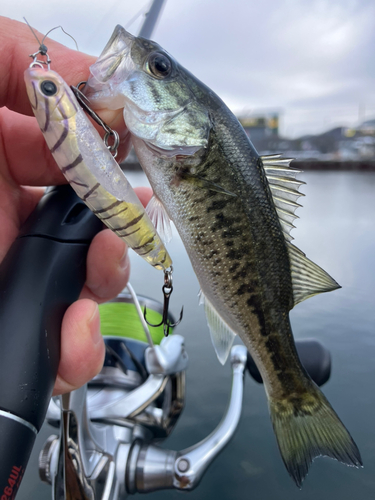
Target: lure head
[48,95]
[160,106]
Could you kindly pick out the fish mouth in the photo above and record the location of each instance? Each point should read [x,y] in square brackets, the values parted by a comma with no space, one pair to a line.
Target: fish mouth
[114,64]
[114,67]
[120,81]
[114,119]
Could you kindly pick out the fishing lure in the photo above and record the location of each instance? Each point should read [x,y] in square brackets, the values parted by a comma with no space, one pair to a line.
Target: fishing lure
[88,164]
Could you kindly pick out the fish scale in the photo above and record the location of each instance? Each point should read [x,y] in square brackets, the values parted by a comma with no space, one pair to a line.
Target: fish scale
[219,219]
[233,210]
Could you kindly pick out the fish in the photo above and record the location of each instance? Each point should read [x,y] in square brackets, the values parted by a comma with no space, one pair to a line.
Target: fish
[89,166]
[234,210]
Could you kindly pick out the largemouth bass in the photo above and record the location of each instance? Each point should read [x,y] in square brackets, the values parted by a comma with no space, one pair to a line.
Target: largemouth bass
[233,210]
[89,166]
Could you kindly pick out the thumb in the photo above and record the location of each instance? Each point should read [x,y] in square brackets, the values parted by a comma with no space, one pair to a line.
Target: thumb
[82,346]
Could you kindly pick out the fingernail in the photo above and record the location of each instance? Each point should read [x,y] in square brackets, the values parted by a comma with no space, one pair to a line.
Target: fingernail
[124,261]
[94,323]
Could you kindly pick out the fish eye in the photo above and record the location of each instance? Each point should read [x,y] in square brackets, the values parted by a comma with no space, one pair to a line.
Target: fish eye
[48,88]
[160,65]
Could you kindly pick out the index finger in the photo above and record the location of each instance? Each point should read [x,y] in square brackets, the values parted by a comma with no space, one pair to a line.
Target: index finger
[17,42]
[27,159]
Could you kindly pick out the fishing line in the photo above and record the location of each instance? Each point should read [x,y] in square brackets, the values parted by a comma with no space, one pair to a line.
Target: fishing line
[41,44]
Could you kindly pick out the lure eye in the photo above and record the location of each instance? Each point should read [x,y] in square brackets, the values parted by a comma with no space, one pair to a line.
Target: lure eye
[160,65]
[48,88]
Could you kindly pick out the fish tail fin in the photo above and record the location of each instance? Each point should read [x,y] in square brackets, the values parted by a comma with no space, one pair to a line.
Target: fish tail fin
[306,426]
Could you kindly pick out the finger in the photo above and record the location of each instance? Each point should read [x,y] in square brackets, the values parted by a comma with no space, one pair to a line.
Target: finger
[28,158]
[108,267]
[144,194]
[16,204]
[82,350]
[17,42]
[82,346]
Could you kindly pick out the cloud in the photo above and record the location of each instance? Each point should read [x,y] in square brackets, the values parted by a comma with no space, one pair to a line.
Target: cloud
[289,54]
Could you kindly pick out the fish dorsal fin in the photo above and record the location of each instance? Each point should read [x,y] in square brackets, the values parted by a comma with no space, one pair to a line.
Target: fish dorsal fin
[221,335]
[284,188]
[160,219]
[308,278]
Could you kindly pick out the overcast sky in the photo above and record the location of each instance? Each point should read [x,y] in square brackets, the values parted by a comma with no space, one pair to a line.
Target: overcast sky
[310,60]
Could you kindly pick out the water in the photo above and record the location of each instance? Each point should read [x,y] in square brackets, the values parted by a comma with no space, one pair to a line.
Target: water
[336,230]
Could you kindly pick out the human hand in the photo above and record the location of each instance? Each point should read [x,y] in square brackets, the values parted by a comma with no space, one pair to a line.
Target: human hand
[26,165]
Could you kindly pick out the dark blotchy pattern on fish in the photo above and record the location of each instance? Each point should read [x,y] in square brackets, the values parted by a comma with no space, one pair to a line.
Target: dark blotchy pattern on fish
[237,241]
[241,233]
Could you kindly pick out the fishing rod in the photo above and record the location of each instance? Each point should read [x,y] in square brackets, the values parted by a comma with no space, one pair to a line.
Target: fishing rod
[151,19]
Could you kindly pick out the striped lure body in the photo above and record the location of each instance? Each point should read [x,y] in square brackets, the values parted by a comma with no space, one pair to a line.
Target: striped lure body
[89,166]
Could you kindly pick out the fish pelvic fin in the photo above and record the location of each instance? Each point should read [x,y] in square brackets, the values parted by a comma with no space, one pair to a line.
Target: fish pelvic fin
[307,427]
[159,217]
[222,336]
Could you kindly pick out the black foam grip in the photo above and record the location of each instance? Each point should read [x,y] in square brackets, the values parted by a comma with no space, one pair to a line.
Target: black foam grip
[41,275]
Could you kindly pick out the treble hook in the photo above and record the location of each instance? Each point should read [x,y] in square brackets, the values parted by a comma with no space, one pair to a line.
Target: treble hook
[167,291]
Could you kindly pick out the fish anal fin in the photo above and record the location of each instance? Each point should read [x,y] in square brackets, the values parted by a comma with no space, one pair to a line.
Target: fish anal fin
[308,279]
[221,335]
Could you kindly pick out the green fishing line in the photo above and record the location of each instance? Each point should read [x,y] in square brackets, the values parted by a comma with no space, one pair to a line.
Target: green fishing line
[120,319]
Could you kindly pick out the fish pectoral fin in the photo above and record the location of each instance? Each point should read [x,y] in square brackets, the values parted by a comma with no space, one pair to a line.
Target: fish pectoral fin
[159,217]
[221,335]
[204,183]
[308,279]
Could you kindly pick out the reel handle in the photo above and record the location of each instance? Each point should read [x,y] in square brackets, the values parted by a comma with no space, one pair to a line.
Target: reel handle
[41,275]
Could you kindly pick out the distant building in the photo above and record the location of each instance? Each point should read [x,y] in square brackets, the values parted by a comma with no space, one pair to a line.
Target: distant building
[337,144]
[260,126]
[366,128]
